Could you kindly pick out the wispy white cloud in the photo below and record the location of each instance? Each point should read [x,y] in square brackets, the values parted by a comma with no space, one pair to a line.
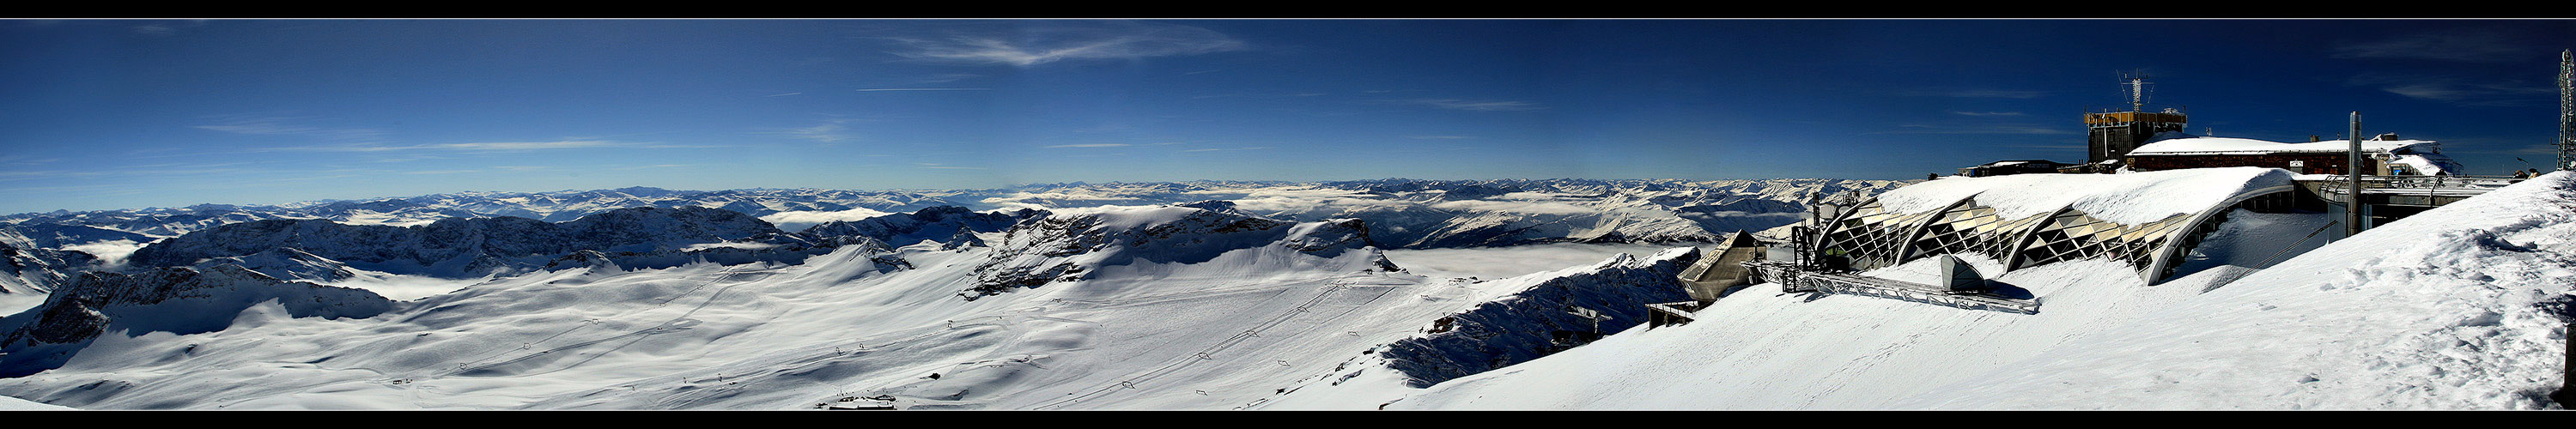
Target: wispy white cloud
[1441,137]
[400,158]
[14,175]
[2458,90]
[298,180]
[465,147]
[934,165]
[568,144]
[922,89]
[273,125]
[946,78]
[1229,149]
[127,171]
[167,28]
[1474,105]
[1262,94]
[1090,145]
[1046,42]
[783,94]
[2537,149]
[830,131]
[1977,93]
[2465,46]
[1994,129]
[86,189]
[25,160]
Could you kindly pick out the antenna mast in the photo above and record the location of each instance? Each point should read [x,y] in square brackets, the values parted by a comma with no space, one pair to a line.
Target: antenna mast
[2566,111]
[2136,88]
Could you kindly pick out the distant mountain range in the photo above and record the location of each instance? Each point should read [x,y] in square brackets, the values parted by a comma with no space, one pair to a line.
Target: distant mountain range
[423,234]
[1710,204]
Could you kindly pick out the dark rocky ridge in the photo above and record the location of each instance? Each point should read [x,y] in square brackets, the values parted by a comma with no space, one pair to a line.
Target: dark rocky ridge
[178,300]
[944,224]
[1070,247]
[461,247]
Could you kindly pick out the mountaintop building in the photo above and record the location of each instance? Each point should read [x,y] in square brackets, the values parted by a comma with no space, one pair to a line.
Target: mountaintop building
[2386,154]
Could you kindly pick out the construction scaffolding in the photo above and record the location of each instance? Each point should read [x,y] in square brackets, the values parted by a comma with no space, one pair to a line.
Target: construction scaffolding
[1821,271]
[2112,134]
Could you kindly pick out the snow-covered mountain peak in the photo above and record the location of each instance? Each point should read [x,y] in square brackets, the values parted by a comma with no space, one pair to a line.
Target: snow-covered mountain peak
[1067,246]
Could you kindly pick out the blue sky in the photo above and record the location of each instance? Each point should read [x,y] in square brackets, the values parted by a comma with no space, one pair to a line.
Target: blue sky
[103,114]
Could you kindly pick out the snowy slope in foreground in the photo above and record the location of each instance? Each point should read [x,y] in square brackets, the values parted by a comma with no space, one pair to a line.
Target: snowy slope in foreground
[1761,348]
[2461,307]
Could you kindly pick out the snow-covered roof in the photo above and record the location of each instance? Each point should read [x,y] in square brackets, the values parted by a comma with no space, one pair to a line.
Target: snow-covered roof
[2011,162]
[2125,198]
[2238,146]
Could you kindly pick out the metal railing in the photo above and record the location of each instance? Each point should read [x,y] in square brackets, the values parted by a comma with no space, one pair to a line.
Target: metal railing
[2426,186]
[1670,313]
[1793,278]
[2417,182]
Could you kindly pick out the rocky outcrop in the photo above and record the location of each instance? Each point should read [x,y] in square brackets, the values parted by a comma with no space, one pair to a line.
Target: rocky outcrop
[1528,324]
[1070,247]
[944,224]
